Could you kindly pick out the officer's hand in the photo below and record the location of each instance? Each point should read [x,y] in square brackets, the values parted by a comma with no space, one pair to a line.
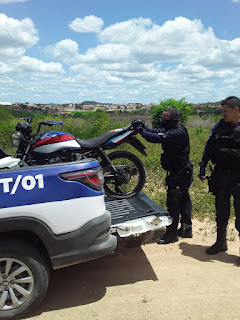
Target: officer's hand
[137,123]
[201,174]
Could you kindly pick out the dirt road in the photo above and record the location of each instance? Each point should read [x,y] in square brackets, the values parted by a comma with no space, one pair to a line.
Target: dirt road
[175,281]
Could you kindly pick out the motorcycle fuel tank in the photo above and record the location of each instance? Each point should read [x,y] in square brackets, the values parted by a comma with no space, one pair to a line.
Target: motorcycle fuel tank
[53,141]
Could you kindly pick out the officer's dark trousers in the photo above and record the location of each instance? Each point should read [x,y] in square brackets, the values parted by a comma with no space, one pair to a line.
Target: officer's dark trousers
[227,185]
[178,200]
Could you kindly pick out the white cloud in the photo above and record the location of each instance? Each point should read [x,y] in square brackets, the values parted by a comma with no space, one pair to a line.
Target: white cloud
[173,41]
[138,58]
[184,45]
[135,60]
[140,41]
[225,57]
[65,50]
[4,68]
[110,52]
[28,64]
[87,24]
[236,1]
[8,1]
[125,32]
[16,36]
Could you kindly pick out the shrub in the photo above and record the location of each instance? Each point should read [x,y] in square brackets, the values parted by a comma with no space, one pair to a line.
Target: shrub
[181,105]
[87,125]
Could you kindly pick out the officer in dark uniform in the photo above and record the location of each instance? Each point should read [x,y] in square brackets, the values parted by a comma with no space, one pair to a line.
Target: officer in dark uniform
[175,160]
[223,149]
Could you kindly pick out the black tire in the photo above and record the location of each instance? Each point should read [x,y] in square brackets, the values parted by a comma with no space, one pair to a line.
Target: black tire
[130,178]
[26,287]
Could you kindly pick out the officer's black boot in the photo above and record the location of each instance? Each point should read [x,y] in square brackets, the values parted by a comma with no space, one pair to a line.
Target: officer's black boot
[169,237]
[220,245]
[185,231]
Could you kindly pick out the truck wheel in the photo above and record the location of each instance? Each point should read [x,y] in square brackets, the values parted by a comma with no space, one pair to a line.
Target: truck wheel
[24,278]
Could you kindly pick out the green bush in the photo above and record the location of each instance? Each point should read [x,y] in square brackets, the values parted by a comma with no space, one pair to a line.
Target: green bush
[181,105]
[87,125]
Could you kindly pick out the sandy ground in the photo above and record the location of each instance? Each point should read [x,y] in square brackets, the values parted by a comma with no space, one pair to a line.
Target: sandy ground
[151,281]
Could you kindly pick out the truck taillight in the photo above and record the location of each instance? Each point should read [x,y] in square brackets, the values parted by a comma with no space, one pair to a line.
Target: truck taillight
[92,178]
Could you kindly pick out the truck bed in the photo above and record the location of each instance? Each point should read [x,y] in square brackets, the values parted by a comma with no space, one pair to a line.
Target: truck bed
[133,208]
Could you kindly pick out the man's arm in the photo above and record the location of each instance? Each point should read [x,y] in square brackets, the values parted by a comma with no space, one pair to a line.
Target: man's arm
[173,137]
[209,147]
[151,135]
[207,153]
[154,130]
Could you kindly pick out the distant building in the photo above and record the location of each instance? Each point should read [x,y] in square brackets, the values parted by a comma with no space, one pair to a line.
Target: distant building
[5,103]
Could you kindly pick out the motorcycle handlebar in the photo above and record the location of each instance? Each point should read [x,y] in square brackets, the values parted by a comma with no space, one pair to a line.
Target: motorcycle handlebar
[27,119]
[47,123]
[129,127]
[52,122]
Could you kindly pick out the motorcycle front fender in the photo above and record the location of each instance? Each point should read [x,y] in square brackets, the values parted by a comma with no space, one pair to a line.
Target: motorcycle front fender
[137,144]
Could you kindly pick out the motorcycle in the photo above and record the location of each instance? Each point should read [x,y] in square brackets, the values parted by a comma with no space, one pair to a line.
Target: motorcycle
[124,173]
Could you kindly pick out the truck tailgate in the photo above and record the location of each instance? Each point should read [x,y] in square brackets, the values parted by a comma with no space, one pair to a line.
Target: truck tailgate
[136,215]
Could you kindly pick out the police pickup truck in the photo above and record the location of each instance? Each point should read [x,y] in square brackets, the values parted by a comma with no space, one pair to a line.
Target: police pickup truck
[55,216]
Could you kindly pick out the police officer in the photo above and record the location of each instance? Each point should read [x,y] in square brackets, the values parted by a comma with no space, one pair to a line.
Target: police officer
[223,149]
[175,160]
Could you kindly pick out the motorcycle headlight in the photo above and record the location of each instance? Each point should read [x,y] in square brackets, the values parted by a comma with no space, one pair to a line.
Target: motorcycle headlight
[16,138]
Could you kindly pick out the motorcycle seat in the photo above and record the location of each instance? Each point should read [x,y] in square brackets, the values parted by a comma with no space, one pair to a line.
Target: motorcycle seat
[98,141]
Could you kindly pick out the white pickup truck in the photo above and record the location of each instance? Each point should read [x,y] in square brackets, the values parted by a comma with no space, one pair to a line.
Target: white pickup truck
[55,216]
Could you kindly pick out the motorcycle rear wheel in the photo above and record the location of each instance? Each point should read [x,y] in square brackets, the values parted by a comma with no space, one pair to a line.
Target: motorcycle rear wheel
[129,178]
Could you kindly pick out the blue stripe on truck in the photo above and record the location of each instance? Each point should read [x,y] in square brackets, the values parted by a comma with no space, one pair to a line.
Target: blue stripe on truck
[43,184]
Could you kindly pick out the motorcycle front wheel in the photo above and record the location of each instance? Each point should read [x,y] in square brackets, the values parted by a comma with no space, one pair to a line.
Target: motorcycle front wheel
[126,177]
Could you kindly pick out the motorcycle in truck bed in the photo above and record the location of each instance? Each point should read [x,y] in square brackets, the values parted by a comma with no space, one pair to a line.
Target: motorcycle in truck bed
[53,216]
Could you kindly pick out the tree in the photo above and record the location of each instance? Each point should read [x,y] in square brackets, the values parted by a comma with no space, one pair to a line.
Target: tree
[181,105]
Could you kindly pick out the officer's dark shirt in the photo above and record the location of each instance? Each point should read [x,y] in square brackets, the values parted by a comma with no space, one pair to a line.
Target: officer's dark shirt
[222,148]
[175,143]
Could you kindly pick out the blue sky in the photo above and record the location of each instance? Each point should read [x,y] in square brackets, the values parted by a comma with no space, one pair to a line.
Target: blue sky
[119,51]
